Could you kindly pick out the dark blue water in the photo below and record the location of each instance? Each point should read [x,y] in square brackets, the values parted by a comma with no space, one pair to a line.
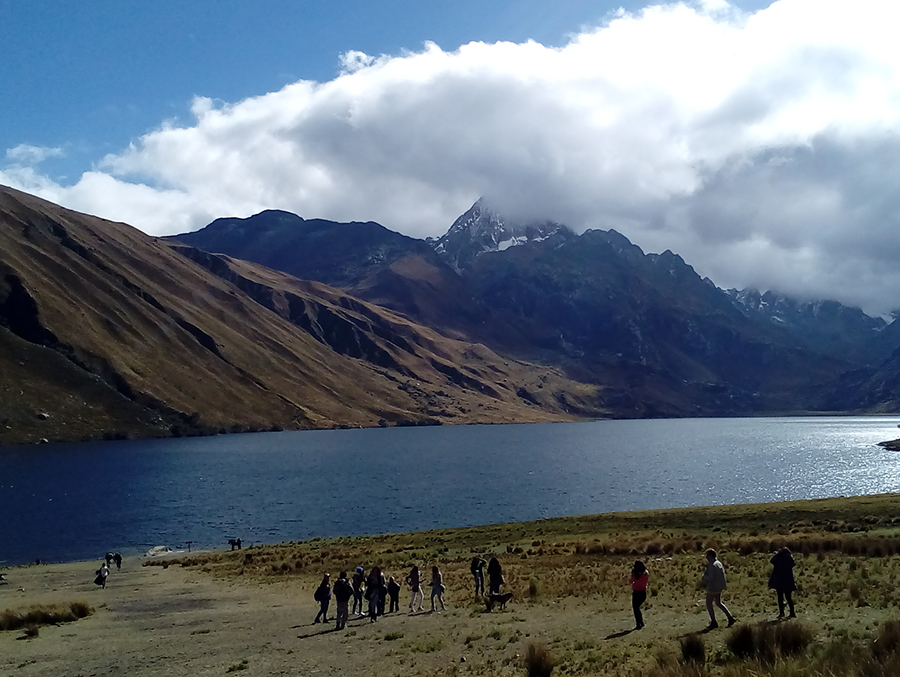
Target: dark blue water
[76,501]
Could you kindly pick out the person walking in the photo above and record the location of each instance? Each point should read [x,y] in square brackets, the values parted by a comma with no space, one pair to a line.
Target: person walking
[714,581]
[359,578]
[782,580]
[323,597]
[477,568]
[375,591]
[412,580]
[437,587]
[393,591]
[102,575]
[343,591]
[639,579]
[117,558]
[495,576]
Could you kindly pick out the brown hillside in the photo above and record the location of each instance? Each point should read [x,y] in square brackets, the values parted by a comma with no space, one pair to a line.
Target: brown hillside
[107,331]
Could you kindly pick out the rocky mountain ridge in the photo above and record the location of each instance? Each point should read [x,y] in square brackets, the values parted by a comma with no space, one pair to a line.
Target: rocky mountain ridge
[658,338]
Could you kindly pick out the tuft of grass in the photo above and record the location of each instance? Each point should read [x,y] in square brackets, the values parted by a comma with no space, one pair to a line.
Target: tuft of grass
[428,645]
[243,665]
[765,641]
[393,636]
[693,649]
[538,661]
[31,631]
[44,614]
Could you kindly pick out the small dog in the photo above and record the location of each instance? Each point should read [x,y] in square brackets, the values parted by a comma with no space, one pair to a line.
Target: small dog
[498,599]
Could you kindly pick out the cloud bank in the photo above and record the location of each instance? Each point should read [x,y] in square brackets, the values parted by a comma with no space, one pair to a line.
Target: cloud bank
[764,148]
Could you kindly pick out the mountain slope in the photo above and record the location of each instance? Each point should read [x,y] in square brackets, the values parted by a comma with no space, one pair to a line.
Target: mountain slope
[364,259]
[146,341]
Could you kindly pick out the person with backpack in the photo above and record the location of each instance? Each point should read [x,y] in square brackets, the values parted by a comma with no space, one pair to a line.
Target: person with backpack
[477,568]
[359,579]
[415,584]
[323,597]
[343,591]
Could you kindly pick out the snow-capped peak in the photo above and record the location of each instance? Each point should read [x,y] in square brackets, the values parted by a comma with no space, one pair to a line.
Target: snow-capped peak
[482,230]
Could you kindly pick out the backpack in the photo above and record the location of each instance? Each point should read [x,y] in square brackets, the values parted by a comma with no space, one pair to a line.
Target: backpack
[317,595]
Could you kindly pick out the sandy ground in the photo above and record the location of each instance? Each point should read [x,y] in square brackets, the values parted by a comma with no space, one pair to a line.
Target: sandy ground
[182,621]
[176,621]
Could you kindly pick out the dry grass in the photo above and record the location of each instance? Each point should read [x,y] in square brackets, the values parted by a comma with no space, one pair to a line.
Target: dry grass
[44,614]
[847,567]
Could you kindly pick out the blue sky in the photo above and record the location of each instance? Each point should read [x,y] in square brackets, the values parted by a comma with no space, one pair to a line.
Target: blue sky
[760,140]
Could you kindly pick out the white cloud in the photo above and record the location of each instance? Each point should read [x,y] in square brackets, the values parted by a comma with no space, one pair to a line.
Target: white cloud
[25,154]
[761,147]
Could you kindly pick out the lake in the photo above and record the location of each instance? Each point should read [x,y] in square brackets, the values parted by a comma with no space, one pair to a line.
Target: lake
[76,501]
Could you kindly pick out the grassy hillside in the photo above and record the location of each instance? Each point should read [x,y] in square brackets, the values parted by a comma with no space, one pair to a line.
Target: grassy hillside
[109,332]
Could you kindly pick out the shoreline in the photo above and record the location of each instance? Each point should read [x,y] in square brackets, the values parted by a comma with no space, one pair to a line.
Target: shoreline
[727,511]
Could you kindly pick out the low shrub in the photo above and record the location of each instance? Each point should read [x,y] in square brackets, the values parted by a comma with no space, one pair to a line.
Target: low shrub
[693,649]
[44,614]
[538,661]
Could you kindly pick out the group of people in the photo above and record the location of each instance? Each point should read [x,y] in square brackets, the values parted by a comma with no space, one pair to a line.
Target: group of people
[781,580]
[376,590]
[103,572]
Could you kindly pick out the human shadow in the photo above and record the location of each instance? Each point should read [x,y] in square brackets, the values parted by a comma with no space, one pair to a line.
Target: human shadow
[323,631]
[616,635]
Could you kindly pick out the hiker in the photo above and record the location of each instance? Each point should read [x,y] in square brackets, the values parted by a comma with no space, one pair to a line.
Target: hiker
[437,587]
[358,579]
[393,590]
[109,559]
[477,569]
[323,597]
[117,558]
[412,580]
[375,592]
[782,580]
[714,581]
[102,574]
[639,578]
[495,576]
[343,591]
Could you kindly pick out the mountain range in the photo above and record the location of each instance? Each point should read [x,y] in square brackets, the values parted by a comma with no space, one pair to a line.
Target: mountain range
[275,321]
[656,337]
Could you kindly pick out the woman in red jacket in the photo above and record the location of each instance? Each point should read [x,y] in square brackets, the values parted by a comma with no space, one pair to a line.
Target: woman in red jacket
[639,578]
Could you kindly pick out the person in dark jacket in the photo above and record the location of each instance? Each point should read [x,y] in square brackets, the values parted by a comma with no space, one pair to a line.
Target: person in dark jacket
[495,576]
[359,578]
[393,590]
[117,558]
[782,580]
[343,591]
[477,569]
[375,591]
[323,597]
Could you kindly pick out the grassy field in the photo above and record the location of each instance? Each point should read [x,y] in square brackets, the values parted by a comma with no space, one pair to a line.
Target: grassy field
[571,605]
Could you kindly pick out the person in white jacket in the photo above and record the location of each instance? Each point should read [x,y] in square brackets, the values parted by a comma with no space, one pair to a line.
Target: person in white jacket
[714,581]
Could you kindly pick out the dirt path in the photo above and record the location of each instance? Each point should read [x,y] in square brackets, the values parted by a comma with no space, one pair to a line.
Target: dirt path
[176,621]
